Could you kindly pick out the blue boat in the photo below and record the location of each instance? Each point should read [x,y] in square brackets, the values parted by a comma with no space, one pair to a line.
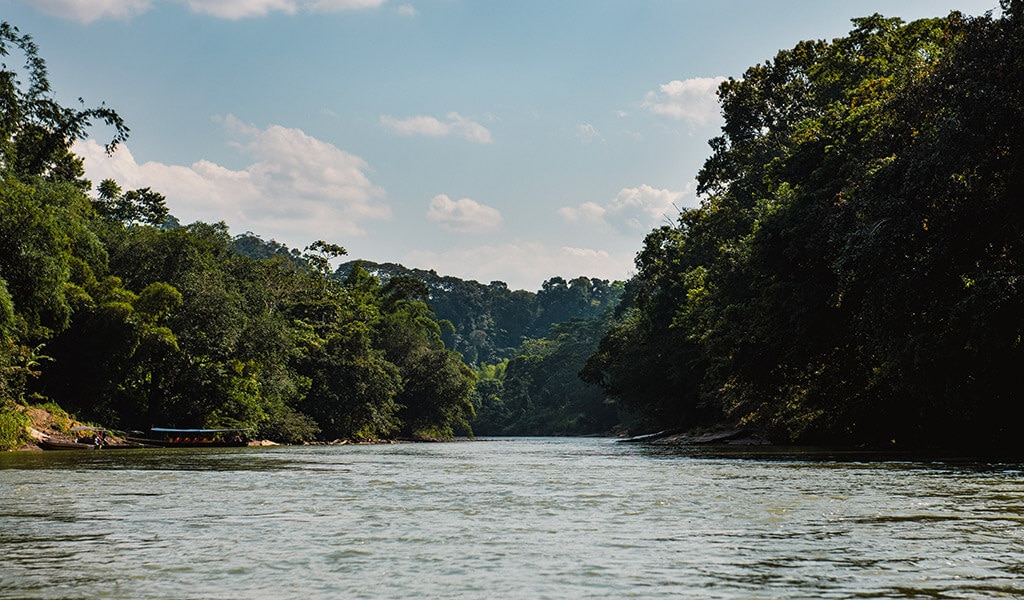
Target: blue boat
[167,437]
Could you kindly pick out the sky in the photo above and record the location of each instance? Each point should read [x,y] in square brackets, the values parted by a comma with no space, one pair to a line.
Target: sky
[489,140]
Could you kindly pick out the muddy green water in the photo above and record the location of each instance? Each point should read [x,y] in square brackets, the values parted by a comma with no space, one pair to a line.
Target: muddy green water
[525,518]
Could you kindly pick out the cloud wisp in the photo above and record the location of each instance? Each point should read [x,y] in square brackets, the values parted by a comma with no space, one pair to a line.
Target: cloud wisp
[297,188]
[453,124]
[587,133]
[633,210]
[693,100]
[87,11]
[464,215]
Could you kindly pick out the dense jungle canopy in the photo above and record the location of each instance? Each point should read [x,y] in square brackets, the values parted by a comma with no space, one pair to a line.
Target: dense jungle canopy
[853,275]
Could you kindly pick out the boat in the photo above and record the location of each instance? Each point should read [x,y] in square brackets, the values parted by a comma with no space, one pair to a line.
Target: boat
[88,438]
[167,437]
[51,443]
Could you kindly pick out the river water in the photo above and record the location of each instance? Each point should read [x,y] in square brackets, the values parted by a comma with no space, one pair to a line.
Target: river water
[522,518]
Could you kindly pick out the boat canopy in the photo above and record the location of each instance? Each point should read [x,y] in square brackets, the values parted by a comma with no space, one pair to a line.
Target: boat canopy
[197,431]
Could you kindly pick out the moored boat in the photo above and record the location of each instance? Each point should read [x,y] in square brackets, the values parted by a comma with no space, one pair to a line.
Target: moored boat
[51,443]
[88,438]
[190,438]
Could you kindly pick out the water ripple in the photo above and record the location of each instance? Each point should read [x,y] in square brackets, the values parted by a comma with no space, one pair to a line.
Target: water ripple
[541,518]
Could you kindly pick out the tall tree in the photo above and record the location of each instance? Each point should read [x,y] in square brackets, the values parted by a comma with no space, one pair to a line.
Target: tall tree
[36,132]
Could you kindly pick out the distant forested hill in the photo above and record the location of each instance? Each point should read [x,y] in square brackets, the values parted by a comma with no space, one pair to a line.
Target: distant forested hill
[490,320]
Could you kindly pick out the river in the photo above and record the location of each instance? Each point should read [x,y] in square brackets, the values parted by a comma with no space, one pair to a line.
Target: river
[518,518]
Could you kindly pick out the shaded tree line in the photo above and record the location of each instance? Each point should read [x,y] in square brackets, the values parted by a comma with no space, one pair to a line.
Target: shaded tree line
[854,272]
[539,392]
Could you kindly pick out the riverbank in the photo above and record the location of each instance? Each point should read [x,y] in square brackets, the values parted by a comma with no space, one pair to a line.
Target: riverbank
[51,422]
[48,422]
[701,437]
[45,422]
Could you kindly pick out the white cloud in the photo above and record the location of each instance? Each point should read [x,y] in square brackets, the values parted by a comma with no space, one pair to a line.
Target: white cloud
[408,10]
[587,133]
[240,9]
[524,265]
[454,124]
[586,212]
[296,189]
[633,210]
[87,11]
[463,216]
[327,6]
[428,126]
[694,100]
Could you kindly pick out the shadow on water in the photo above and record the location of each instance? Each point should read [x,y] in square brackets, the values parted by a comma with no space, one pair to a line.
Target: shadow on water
[817,455]
[154,459]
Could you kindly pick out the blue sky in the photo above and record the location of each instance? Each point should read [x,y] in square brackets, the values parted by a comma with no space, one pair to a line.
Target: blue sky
[485,139]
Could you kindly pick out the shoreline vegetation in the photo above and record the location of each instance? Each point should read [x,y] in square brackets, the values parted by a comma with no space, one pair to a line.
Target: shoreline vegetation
[52,422]
[852,279]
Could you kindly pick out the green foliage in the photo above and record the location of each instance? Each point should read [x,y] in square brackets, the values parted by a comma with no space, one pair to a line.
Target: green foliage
[7,320]
[539,391]
[135,206]
[287,425]
[489,322]
[157,301]
[13,426]
[36,133]
[37,227]
[353,389]
[851,276]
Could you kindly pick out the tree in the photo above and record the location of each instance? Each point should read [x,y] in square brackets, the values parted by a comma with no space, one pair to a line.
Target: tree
[135,206]
[539,391]
[436,385]
[849,277]
[43,233]
[353,389]
[36,133]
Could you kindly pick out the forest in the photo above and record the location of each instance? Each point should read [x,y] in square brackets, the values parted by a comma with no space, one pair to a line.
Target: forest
[854,273]
[114,312]
[852,276]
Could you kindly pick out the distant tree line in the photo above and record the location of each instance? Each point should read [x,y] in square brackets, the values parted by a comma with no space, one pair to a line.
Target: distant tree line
[490,322]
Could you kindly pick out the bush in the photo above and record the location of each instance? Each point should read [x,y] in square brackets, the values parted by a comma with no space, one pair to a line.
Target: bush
[288,426]
[13,427]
